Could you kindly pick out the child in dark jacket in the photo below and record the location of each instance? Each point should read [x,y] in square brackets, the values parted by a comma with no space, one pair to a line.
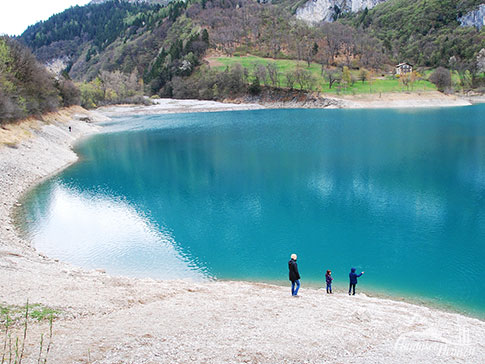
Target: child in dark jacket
[329,279]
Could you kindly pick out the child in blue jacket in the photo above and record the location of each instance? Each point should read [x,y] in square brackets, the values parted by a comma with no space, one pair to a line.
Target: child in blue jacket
[353,280]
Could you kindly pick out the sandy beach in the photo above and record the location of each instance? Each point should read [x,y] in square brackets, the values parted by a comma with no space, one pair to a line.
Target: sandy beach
[107,319]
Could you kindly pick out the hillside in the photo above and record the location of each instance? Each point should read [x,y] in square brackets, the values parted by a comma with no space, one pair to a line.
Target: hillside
[26,88]
[165,45]
[79,35]
[424,32]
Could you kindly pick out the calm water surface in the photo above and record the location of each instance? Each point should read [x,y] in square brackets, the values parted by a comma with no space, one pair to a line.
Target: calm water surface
[397,193]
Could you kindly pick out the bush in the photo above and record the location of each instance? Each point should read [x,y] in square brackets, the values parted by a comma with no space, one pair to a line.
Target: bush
[441,77]
[112,88]
[91,94]
[70,94]
[255,88]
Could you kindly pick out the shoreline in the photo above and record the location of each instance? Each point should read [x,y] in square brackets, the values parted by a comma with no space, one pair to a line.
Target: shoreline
[402,100]
[216,322]
[391,100]
[378,293]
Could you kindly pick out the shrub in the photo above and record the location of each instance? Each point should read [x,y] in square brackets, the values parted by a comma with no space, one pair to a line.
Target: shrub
[441,77]
[255,88]
[70,94]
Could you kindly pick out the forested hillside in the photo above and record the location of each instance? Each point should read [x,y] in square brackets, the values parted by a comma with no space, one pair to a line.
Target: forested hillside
[88,30]
[164,46]
[26,88]
[424,32]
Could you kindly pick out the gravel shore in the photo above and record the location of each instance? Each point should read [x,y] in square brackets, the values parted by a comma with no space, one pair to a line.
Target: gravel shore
[399,100]
[106,319]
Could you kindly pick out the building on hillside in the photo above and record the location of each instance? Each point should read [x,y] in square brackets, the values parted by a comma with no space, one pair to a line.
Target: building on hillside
[403,68]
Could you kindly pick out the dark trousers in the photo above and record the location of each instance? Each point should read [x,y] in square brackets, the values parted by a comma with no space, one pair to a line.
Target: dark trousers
[352,288]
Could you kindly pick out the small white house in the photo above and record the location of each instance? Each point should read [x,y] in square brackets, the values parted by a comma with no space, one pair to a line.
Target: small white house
[403,68]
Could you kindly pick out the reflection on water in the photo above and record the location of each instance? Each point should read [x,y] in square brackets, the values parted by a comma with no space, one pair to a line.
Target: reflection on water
[70,224]
[400,195]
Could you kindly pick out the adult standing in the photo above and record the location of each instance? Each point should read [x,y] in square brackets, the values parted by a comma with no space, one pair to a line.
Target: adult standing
[353,280]
[294,275]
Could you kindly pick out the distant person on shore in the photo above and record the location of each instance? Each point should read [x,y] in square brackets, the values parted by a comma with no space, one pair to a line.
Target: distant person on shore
[329,279]
[294,275]
[353,280]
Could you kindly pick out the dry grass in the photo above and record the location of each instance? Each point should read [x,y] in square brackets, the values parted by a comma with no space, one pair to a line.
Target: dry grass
[13,133]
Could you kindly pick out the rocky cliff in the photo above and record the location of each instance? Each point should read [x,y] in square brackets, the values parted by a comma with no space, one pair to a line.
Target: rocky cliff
[475,18]
[314,11]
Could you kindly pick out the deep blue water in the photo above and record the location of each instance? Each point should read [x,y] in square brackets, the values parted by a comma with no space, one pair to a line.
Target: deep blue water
[397,193]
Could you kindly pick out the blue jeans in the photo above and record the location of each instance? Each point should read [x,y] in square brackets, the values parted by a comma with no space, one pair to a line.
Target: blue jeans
[294,291]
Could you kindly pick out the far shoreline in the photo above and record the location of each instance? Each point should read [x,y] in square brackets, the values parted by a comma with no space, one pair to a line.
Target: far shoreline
[404,100]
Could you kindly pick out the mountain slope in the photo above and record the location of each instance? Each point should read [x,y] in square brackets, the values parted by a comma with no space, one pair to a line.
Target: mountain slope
[424,32]
[158,43]
[26,88]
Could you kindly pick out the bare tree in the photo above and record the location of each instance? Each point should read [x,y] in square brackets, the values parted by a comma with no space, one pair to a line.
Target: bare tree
[323,60]
[333,76]
[304,79]
[370,50]
[405,80]
[290,80]
[273,74]
[261,73]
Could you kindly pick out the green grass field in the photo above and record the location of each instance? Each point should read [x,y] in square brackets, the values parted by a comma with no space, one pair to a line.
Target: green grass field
[379,84]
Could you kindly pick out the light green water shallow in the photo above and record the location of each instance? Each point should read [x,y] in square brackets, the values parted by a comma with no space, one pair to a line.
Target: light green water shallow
[397,193]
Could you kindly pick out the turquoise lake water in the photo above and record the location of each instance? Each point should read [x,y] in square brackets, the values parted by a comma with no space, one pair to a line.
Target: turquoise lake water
[397,193]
